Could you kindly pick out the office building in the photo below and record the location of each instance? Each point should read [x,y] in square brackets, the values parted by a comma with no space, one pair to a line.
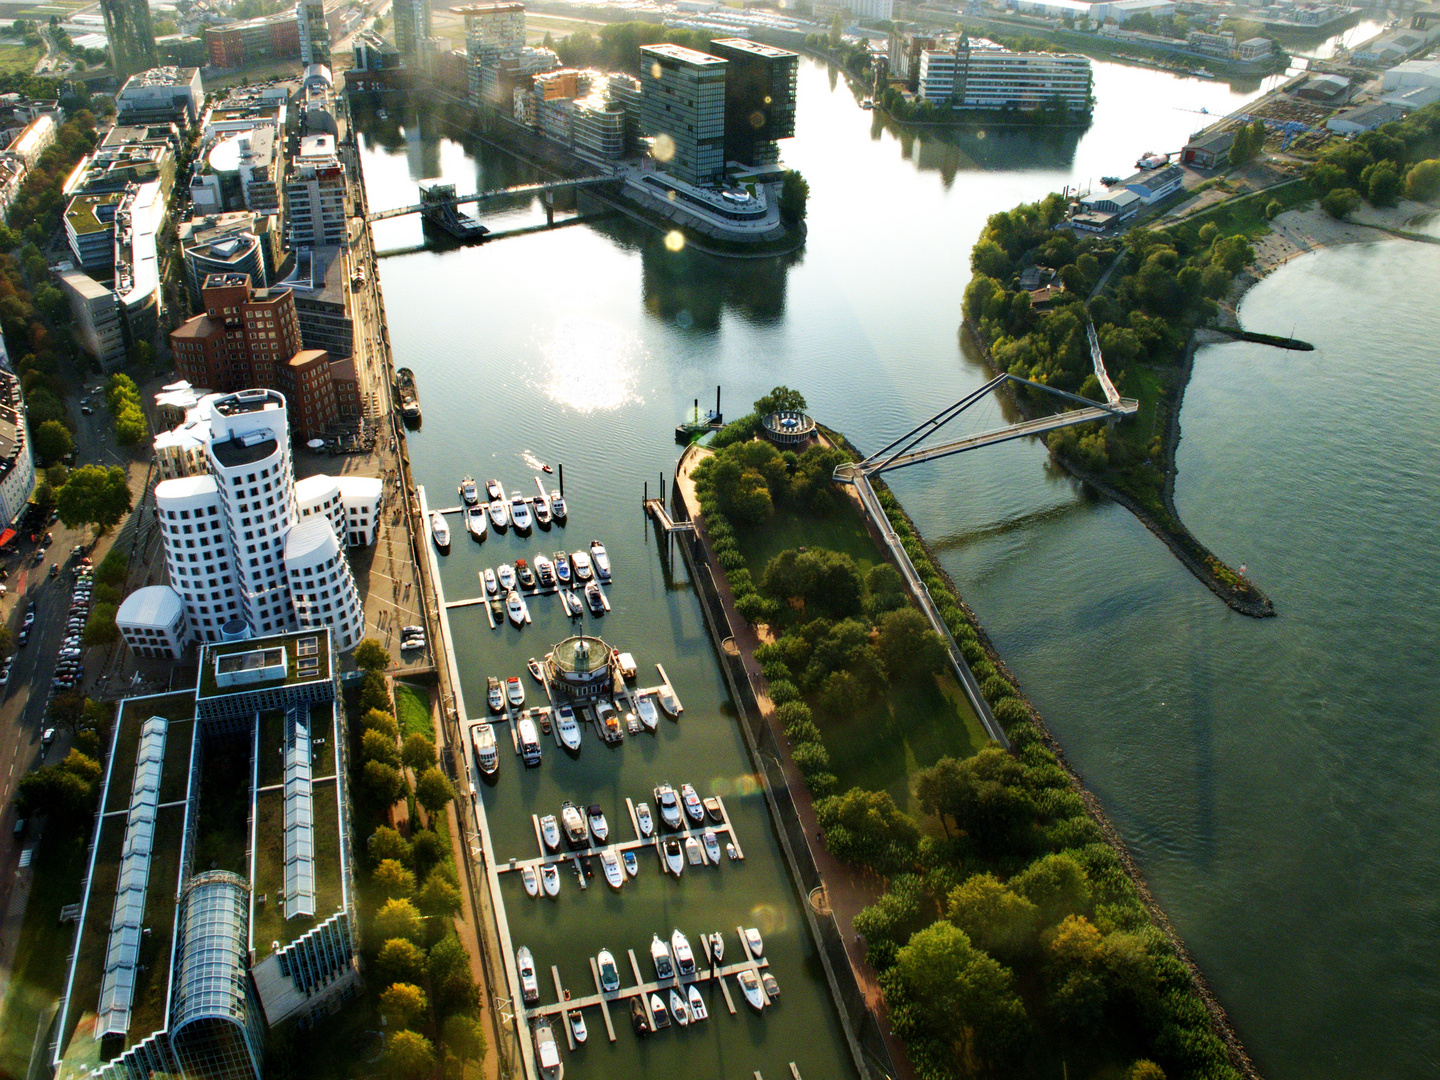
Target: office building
[499,61]
[17,464]
[152,622]
[234,243]
[319,285]
[682,110]
[90,230]
[270,37]
[130,36]
[161,95]
[377,66]
[997,79]
[759,99]
[315,195]
[33,139]
[314,32]
[97,318]
[212,927]
[412,30]
[12,176]
[239,170]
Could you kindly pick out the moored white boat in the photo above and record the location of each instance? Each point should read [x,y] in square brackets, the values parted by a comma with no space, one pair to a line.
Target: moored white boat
[694,809]
[495,694]
[659,1018]
[492,583]
[678,1008]
[599,827]
[475,521]
[487,757]
[520,512]
[557,505]
[547,1052]
[578,1030]
[772,988]
[550,879]
[693,851]
[514,691]
[600,559]
[669,702]
[632,864]
[568,727]
[750,987]
[684,956]
[440,530]
[572,822]
[753,940]
[506,575]
[643,819]
[712,845]
[545,571]
[580,566]
[626,663]
[712,809]
[494,489]
[515,607]
[674,857]
[469,493]
[536,671]
[632,723]
[595,598]
[698,1011]
[614,875]
[668,804]
[543,517]
[529,985]
[732,851]
[499,513]
[550,832]
[645,706]
[562,568]
[660,957]
[571,603]
[531,880]
[717,946]
[609,972]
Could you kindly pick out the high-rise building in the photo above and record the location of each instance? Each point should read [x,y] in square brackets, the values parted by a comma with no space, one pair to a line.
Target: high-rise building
[759,99]
[314,32]
[993,78]
[315,195]
[132,40]
[499,61]
[412,29]
[682,109]
[17,464]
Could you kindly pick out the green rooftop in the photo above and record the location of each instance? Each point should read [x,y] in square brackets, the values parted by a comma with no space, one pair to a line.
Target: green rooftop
[307,660]
[83,212]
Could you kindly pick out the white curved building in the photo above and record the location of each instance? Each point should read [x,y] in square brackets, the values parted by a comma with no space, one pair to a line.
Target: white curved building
[322,588]
[196,535]
[152,622]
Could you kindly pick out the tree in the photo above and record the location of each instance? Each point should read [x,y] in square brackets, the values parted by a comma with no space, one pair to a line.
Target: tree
[1232,254]
[403,1004]
[430,851]
[437,898]
[1382,183]
[1145,1069]
[907,646]
[1422,182]
[53,441]
[837,30]
[748,499]
[381,721]
[383,782]
[984,795]
[1000,921]
[1340,202]
[464,1036]
[451,986]
[7,642]
[955,1006]
[400,960]
[130,426]
[1057,885]
[867,829]
[56,792]
[780,399]
[433,790]
[418,753]
[370,655]
[888,924]
[794,198]
[387,843]
[94,495]
[375,746]
[100,628]
[393,878]
[399,919]
[408,1055]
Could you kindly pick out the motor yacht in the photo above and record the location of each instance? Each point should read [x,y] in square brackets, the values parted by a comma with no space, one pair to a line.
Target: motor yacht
[643,819]
[698,1011]
[595,599]
[578,1031]
[684,957]
[547,1052]
[577,835]
[440,531]
[520,512]
[580,564]
[670,703]
[609,972]
[543,517]
[600,559]
[469,493]
[712,845]
[475,521]
[529,985]
[659,1018]
[674,857]
[531,880]
[495,694]
[645,706]
[550,832]
[515,608]
[750,987]
[492,583]
[568,727]
[599,827]
[557,505]
[668,805]
[678,1008]
[562,568]
[499,513]
[754,943]
[693,853]
[545,571]
[506,575]
[550,879]
[494,489]
[694,809]
[660,957]
[632,864]
[614,876]
[514,691]
[486,756]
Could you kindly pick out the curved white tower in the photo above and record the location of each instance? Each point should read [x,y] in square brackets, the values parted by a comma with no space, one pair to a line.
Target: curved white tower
[322,588]
[197,551]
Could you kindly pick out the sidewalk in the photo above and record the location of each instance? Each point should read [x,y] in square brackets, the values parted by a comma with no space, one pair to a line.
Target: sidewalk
[847,890]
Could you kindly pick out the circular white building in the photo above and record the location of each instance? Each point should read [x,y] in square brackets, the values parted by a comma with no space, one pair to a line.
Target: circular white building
[322,588]
[581,668]
[788,428]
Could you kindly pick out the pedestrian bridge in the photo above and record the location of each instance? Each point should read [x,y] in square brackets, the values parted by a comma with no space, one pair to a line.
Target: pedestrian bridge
[494,193]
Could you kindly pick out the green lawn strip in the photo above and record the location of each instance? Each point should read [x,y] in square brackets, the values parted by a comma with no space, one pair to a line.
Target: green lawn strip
[412,709]
[152,970]
[38,978]
[122,766]
[223,836]
[269,881]
[322,740]
[328,894]
[22,58]
[95,934]
[272,741]
[842,531]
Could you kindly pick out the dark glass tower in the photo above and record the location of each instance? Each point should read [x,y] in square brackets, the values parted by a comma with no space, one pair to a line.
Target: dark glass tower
[132,40]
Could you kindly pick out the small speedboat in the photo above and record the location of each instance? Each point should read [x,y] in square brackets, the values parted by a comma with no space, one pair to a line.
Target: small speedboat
[753,940]
[486,755]
[514,691]
[545,571]
[595,599]
[659,1018]
[568,727]
[684,957]
[547,1052]
[577,834]
[492,583]
[678,1008]
[557,505]
[506,575]
[520,512]
[599,827]
[499,513]
[698,1011]
[772,988]
[674,857]
[732,851]
[571,603]
[717,946]
[533,666]
[494,489]
[545,468]
[609,972]
[562,568]
[550,879]
[469,493]
[524,575]
[495,694]
[660,957]
[632,723]
[712,845]
[632,864]
[639,1016]
[600,559]
[529,985]
[750,987]
[670,703]
[694,809]
[712,809]
[440,531]
[550,832]
[542,512]
[576,1019]
[643,819]
[693,854]
[668,805]
[475,521]
[645,705]
[532,882]
[580,564]
[544,715]
[614,876]
[515,608]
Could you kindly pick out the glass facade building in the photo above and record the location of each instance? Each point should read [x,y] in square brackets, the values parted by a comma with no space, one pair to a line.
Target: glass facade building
[682,107]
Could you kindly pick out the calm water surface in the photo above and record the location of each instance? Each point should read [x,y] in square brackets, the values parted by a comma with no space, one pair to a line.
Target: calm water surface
[1274,778]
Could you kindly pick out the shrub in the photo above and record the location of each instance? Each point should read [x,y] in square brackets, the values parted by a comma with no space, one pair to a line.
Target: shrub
[1011,711]
[731,560]
[740,581]
[724,544]
[983,669]
[822,784]
[1341,202]
[1273,209]
[811,758]
[996,689]
[972,652]
[783,691]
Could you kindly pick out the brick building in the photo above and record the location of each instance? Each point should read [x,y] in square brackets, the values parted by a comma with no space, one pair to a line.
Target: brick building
[271,37]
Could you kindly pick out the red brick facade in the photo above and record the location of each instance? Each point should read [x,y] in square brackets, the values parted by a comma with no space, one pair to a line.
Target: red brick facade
[276,37]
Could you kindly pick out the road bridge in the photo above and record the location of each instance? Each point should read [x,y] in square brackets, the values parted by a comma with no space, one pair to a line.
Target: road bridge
[480,196]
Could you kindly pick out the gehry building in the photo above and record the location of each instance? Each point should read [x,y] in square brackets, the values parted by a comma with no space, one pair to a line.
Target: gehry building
[205,924]
[249,551]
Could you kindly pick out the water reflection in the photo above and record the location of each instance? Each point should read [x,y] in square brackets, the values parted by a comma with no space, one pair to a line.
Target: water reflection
[690,289]
[590,366]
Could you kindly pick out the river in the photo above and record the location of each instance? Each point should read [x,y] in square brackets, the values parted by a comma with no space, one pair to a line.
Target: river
[1275,779]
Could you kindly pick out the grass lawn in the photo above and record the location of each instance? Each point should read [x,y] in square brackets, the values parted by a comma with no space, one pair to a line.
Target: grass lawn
[18,57]
[1246,214]
[225,810]
[841,531]
[412,709]
[153,969]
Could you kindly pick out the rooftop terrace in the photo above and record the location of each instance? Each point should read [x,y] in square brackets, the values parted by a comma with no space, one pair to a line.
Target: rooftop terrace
[307,660]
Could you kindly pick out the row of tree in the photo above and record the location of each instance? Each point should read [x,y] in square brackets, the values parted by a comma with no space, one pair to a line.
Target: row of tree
[1379,166]
[122,398]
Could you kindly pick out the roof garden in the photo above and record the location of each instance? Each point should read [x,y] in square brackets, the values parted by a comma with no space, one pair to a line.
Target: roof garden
[307,660]
[93,213]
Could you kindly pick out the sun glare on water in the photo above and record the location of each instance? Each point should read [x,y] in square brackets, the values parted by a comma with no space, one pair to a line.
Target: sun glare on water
[591,366]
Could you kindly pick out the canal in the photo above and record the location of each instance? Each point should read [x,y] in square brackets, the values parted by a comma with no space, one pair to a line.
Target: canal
[1252,766]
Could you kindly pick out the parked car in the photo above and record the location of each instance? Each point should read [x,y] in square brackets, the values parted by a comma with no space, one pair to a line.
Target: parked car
[22,637]
[47,736]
